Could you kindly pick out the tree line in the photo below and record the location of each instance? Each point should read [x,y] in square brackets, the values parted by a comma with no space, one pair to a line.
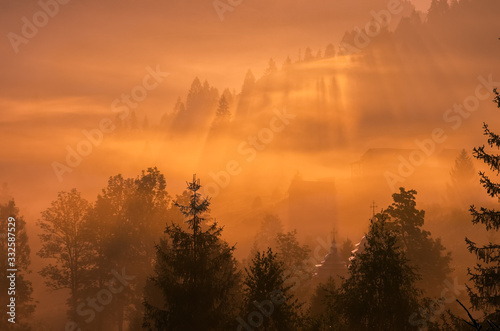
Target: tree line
[136,259]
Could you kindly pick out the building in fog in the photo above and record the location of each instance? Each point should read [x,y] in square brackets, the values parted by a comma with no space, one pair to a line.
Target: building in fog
[311,206]
[332,266]
[375,162]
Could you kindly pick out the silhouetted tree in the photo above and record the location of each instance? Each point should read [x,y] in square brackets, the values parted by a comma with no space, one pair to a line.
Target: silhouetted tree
[308,55]
[330,51]
[20,252]
[380,291]
[67,241]
[271,68]
[461,176]
[222,115]
[195,281]
[267,297]
[346,250]
[463,171]
[269,229]
[113,242]
[287,64]
[248,83]
[437,10]
[486,274]
[324,314]
[424,253]
[296,261]
[179,105]
[127,219]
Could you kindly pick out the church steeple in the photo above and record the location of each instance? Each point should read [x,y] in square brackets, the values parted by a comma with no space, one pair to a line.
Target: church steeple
[332,265]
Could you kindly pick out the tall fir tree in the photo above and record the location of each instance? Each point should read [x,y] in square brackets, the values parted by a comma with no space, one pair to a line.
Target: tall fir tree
[486,274]
[222,115]
[195,281]
[462,176]
[463,171]
[424,252]
[380,292]
[269,303]
[330,51]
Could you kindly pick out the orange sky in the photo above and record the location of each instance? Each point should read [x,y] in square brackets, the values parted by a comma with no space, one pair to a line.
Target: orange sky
[67,76]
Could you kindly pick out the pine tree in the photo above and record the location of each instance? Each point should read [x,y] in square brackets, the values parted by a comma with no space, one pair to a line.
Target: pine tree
[380,291]
[329,51]
[270,227]
[287,64]
[179,106]
[271,69]
[248,83]
[486,274]
[194,95]
[463,172]
[424,252]
[268,302]
[195,282]
[222,115]
[462,175]
[324,313]
[346,250]
[437,10]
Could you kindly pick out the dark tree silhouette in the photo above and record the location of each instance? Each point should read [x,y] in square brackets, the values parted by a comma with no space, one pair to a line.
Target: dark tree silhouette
[269,303]
[485,275]
[66,240]
[463,171]
[330,51]
[380,291]
[323,312]
[424,253]
[346,250]
[113,243]
[222,115]
[195,281]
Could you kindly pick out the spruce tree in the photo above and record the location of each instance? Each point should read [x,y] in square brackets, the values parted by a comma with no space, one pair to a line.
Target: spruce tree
[463,171]
[380,291]
[195,282]
[462,176]
[424,252]
[486,274]
[222,115]
[269,303]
